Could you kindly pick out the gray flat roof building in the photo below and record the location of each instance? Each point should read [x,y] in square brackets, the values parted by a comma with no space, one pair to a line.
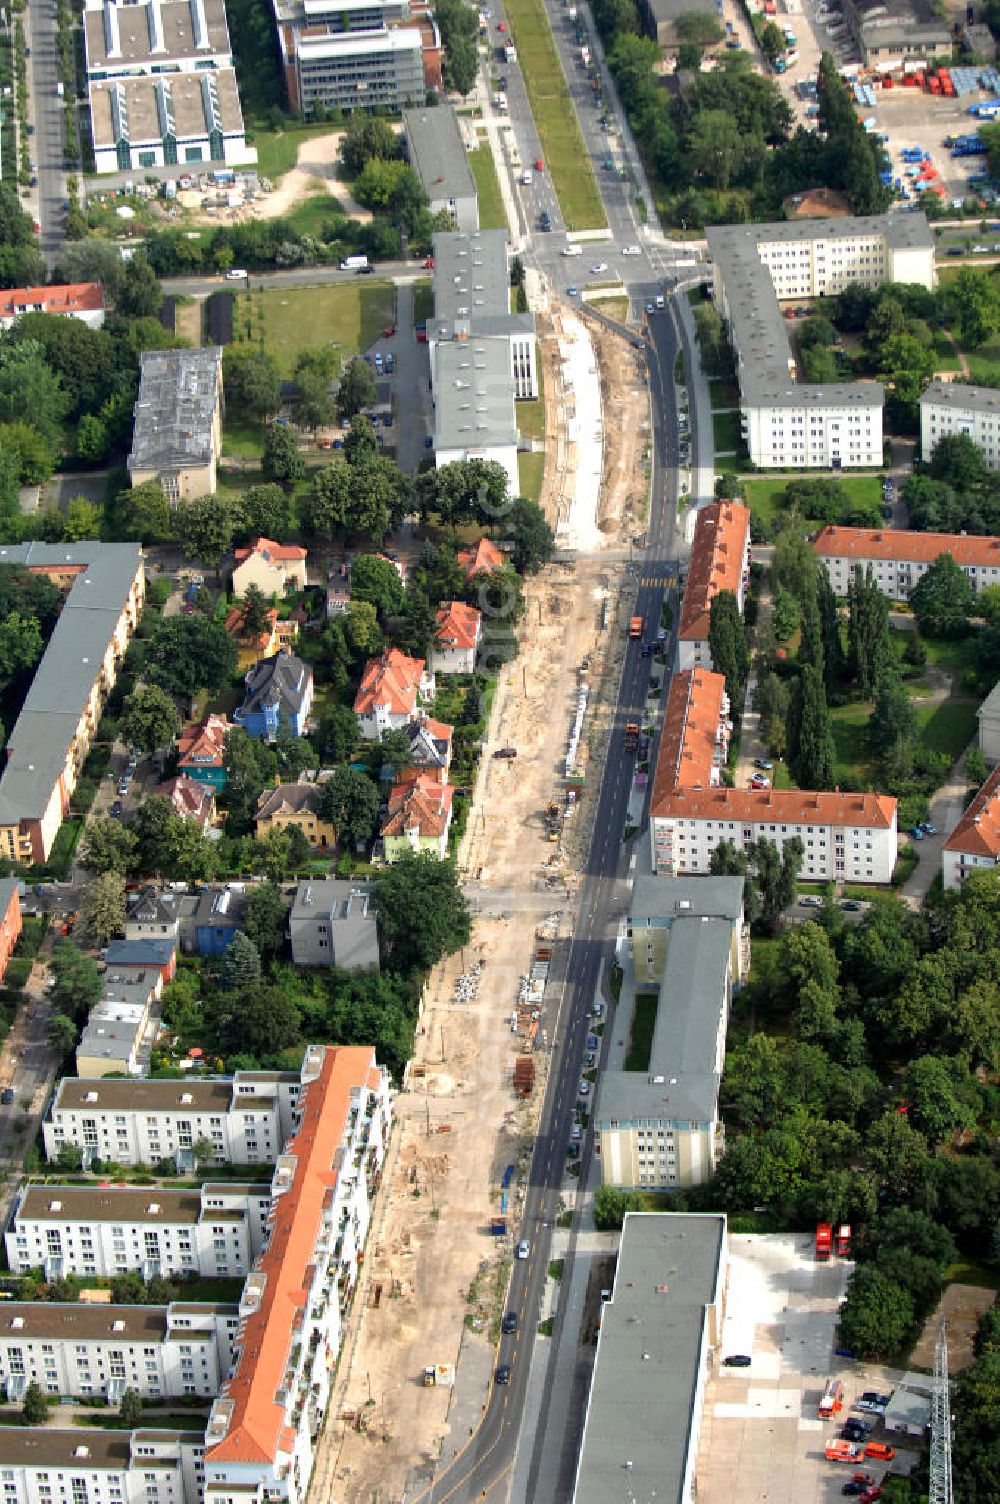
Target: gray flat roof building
[897,28]
[473,396]
[640,1437]
[471,276]
[332,923]
[438,156]
[133,38]
[176,414]
[980,399]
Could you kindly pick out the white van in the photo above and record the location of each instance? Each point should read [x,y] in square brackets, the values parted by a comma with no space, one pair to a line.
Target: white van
[236,274]
[572,250]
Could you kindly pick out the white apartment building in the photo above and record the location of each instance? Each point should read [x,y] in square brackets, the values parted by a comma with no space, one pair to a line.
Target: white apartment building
[216,1231]
[974,844]
[845,837]
[788,424]
[471,286]
[261,1436]
[245,1118]
[720,560]
[44,1465]
[660,1129]
[899,559]
[159,1352]
[953,407]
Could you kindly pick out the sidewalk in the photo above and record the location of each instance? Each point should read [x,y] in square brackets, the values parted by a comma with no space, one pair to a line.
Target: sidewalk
[700,405]
[946,809]
[751,741]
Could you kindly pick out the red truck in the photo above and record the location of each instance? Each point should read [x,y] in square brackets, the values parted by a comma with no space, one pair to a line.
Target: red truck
[843,1240]
[635,628]
[631,736]
[824,1242]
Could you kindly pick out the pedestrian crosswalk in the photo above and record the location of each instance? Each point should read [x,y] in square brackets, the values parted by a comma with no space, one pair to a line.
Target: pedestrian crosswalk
[654,580]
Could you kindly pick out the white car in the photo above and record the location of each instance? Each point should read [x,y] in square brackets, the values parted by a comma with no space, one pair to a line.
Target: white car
[598,267]
[523,1249]
[236,274]
[631,250]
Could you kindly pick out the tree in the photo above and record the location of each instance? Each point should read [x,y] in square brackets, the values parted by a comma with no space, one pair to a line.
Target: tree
[942,598]
[771,41]
[256,612]
[349,801]
[356,390]
[811,749]
[265,919]
[713,340]
[157,828]
[188,653]
[144,513]
[240,964]
[20,646]
[361,444]
[62,1034]
[260,1021]
[893,723]
[338,734]
[774,876]
[376,580]
[422,912]
[263,512]
[250,765]
[869,648]
[829,622]
[84,519]
[728,644]
[282,461]
[877,1319]
[149,718]
[102,910]
[958,461]
[204,528]
[972,298]
[34,1406]
[251,380]
[77,980]
[534,541]
[313,376]
[108,846]
[30,390]
[942,1098]
[367,136]
[326,510]
[130,1409]
[611,1204]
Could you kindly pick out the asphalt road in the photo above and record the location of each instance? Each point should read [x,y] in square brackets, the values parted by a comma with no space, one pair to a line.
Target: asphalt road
[46,114]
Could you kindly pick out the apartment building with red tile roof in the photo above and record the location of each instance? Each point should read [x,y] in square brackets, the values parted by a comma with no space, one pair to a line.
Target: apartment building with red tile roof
[79,300]
[456,639]
[720,560]
[845,837]
[899,558]
[387,695]
[259,1442]
[482,558]
[694,742]
[975,841]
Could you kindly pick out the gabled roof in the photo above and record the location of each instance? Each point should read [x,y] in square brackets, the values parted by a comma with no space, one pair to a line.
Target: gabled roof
[191,800]
[390,681]
[721,534]
[482,558]
[147,952]
[779,807]
[430,742]
[281,680]
[234,627]
[418,803]
[255,1429]
[69,297]
[892,543]
[978,831]
[274,553]
[290,798]
[151,906]
[203,741]
[696,705]
[458,625]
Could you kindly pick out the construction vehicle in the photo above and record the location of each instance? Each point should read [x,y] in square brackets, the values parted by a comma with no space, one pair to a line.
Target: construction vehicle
[552,813]
[439,1373]
[824,1242]
[832,1401]
[524,1075]
[635,628]
[631,736]
[843,1240]
[498,1227]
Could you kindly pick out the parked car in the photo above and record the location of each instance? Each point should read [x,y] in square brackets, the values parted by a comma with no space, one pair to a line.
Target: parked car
[929,829]
[810,901]
[7,1096]
[737,1360]
[585,1088]
[851,905]
[762,762]
[507,753]
[880,1451]
[917,833]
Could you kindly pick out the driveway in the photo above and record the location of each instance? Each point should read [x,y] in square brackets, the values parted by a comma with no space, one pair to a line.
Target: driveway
[946,808]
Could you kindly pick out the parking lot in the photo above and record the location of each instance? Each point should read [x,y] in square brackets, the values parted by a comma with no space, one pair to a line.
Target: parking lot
[761,1437]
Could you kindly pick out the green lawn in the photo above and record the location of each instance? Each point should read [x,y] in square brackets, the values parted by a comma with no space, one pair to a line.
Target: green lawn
[309,217]
[563,150]
[948,727]
[850,737]
[243,441]
[491,210]
[423,301]
[724,393]
[277,151]
[531,415]
[530,469]
[726,432]
[612,308]
[984,362]
[763,491]
[641,1038]
[295,319]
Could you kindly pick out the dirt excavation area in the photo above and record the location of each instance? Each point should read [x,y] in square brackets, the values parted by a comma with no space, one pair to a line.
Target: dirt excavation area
[434,1277]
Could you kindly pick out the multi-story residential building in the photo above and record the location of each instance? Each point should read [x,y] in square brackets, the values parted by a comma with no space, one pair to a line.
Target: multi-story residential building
[189,800]
[457,636]
[975,841]
[418,816]
[787,423]
[153,914]
[77,300]
[430,746]
[295,806]
[720,560]
[655,1344]
[275,568]
[332,923]
[44,1465]
[149,952]
[48,745]
[694,742]
[217,916]
[438,156]
[660,1129]
[387,695]
[845,837]
[279,692]
[122,1027]
[215,1232]
[246,1118]
[948,407]
[177,435]
[99,1351]
[988,716]
[201,751]
[260,1441]
[10,920]
[899,559]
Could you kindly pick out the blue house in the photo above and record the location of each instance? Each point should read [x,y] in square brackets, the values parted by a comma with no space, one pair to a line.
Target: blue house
[215,921]
[279,689]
